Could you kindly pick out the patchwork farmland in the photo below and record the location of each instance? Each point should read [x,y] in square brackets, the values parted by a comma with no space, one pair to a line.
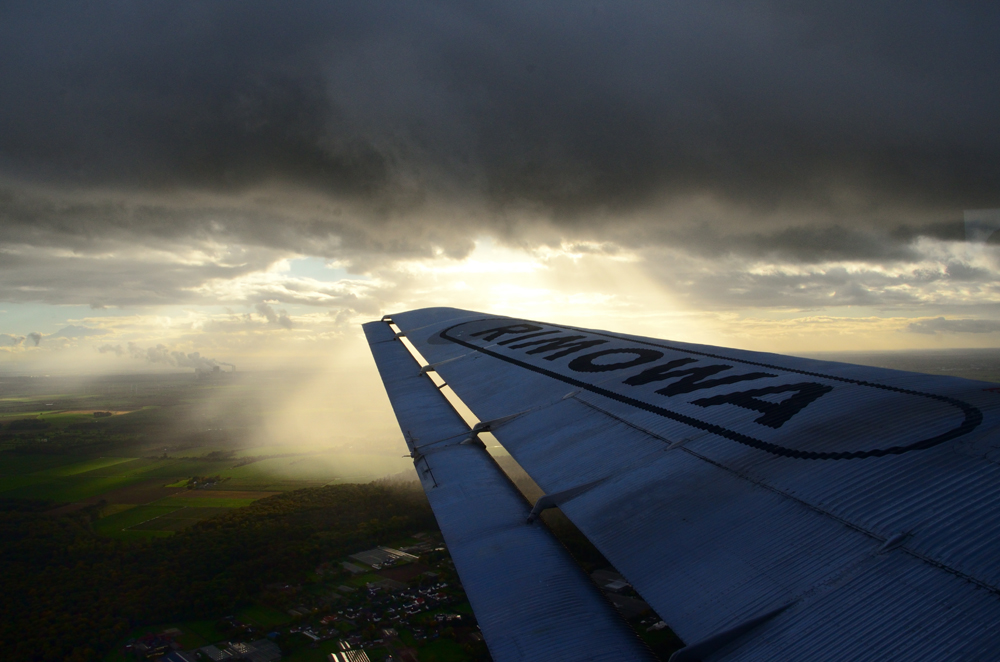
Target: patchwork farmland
[149,457]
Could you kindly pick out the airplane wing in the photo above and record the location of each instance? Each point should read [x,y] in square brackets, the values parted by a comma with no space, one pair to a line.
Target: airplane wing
[767,507]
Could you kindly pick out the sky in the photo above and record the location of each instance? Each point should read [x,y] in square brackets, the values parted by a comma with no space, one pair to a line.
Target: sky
[188,184]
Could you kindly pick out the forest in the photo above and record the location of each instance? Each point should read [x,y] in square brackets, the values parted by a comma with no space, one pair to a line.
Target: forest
[71,594]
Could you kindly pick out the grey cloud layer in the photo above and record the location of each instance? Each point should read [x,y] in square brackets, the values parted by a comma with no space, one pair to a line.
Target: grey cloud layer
[277,318]
[77,331]
[236,134]
[935,280]
[569,108]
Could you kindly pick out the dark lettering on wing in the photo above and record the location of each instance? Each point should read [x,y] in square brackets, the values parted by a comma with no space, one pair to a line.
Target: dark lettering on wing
[567,344]
[530,335]
[776,414]
[496,332]
[689,379]
[586,363]
[657,373]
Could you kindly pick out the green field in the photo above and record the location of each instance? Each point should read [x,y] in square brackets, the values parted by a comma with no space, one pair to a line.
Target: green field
[332,466]
[204,502]
[115,524]
[68,478]
[178,519]
[72,488]
[172,428]
[11,416]
[136,536]
[57,420]
[140,503]
[17,465]
[115,508]
[153,520]
[10,483]
[184,467]
[85,466]
[61,419]
[265,484]
[145,512]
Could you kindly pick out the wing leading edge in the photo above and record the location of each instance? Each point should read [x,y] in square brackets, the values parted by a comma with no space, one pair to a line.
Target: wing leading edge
[532,601]
[769,507]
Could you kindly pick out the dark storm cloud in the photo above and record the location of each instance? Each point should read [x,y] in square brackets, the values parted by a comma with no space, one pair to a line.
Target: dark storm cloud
[732,283]
[150,152]
[98,221]
[801,243]
[128,279]
[133,276]
[736,288]
[571,109]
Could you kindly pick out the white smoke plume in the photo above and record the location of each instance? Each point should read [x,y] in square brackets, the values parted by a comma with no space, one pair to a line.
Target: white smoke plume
[7,340]
[162,354]
[113,349]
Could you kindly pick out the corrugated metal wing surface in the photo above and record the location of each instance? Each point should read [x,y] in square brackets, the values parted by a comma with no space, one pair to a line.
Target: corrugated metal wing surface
[731,483]
[532,601]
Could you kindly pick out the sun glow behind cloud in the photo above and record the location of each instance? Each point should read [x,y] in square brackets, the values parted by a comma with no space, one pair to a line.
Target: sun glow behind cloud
[292,308]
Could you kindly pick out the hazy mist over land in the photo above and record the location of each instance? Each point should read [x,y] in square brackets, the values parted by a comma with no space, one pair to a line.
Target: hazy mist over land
[266,427]
[187,185]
